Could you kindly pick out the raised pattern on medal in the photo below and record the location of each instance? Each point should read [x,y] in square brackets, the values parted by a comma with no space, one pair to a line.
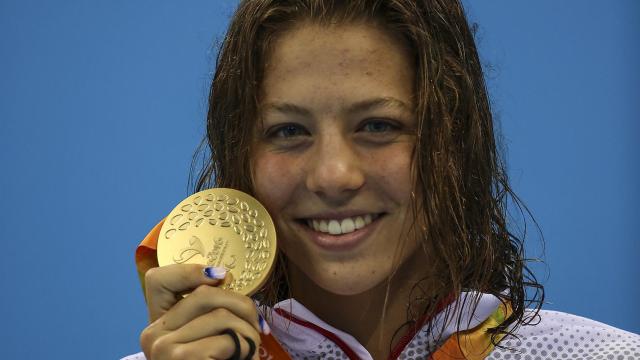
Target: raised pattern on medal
[175,219]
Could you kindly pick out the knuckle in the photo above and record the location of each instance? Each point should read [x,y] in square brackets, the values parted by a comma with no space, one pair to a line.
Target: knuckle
[179,352]
[147,338]
[161,345]
[222,313]
[151,276]
[202,291]
[249,305]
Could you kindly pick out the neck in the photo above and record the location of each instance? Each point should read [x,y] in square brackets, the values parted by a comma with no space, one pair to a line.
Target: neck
[372,317]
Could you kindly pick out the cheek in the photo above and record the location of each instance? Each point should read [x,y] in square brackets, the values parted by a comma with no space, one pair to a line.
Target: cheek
[393,171]
[273,180]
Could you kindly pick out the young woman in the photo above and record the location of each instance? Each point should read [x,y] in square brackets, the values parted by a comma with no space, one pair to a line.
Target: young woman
[364,128]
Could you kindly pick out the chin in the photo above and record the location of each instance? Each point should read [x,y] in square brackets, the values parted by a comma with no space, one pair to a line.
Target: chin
[346,282]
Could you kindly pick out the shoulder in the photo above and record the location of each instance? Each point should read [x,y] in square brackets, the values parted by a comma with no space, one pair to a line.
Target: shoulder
[558,335]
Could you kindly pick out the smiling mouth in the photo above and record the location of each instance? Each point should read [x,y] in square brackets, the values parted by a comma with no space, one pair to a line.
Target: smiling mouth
[340,226]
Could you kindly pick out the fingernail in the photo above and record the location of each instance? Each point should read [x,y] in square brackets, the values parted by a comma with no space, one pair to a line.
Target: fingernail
[264,327]
[215,272]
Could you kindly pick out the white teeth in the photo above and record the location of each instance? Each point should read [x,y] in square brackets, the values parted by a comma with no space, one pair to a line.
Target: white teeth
[334,227]
[344,226]
[347,226]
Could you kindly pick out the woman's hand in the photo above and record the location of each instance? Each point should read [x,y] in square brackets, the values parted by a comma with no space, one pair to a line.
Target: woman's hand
[193,327]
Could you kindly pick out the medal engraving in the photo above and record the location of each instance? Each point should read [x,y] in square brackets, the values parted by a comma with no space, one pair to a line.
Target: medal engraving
[186,254]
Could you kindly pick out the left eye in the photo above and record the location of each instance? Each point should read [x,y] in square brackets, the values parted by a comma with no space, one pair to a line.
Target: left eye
[377,126]
[289,131]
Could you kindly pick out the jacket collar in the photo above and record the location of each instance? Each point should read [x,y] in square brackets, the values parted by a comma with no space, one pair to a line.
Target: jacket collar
[306,335]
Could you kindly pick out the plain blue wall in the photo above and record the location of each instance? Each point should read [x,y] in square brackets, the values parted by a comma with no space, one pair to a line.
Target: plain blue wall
[102,105]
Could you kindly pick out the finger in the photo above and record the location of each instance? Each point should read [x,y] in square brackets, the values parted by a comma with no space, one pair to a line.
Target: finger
[164,285]
[216,347]
[253,348]
[203,300]
[212,324]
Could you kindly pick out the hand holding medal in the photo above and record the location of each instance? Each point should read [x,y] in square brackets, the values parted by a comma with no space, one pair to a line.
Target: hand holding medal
[230,236]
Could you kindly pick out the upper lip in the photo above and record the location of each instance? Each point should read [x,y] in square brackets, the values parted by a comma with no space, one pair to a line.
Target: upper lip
[337,215]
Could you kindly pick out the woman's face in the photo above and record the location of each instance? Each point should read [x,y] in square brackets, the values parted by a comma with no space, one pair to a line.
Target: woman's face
[332,153]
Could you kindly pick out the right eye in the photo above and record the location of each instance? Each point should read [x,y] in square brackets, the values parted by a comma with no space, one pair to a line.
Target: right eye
[286,131]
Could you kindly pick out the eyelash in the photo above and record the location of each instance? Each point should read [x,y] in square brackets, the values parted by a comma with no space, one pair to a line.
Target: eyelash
[389,125]
[276,132]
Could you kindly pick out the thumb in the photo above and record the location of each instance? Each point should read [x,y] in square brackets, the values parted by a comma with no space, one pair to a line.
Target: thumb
[166,285]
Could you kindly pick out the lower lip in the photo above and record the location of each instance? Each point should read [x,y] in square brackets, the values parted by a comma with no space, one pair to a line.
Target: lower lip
[343,242]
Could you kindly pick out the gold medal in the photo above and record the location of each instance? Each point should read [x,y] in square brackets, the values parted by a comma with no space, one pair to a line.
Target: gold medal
[222,228]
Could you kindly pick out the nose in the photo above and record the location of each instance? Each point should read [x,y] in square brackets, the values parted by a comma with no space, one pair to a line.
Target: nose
[335,170]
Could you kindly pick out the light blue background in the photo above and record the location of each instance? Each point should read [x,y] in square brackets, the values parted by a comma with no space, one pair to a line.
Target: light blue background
[102,104]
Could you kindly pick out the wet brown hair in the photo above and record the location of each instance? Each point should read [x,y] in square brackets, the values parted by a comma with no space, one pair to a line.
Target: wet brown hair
[462,190]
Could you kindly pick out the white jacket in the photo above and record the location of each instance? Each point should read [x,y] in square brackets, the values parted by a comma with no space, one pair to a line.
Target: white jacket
[555,335]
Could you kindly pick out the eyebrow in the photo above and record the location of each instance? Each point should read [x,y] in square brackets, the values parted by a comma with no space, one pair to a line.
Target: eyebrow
[360,106]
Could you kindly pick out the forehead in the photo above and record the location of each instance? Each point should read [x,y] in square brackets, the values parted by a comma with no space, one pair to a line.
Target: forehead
[354,60]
